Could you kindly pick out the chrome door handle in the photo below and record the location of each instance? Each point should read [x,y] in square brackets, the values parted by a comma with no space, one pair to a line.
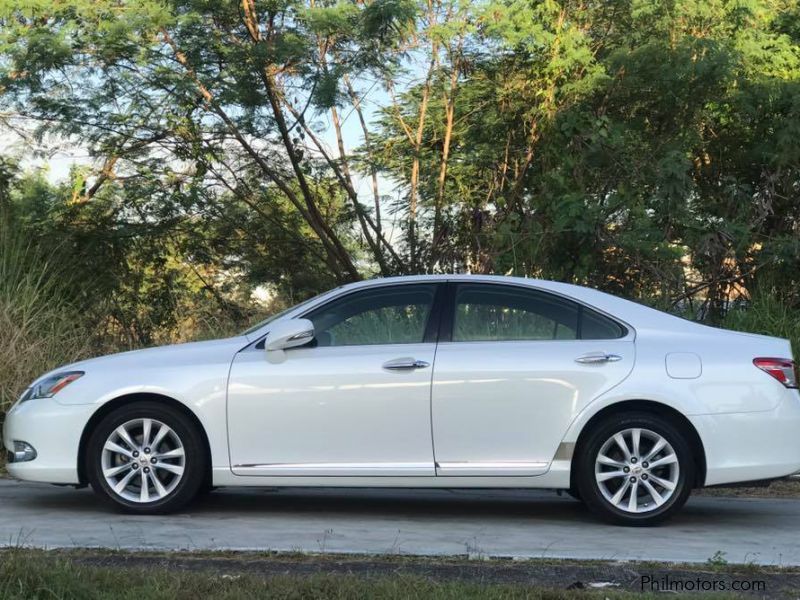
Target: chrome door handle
[405,364]
[597,358]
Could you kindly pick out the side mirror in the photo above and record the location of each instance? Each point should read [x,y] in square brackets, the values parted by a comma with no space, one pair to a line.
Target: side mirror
[288,334]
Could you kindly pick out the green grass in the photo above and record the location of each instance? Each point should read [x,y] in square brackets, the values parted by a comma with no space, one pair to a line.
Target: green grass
[31,574]
[25,576]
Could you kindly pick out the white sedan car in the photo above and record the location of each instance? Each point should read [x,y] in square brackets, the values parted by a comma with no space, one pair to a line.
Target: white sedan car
[430,381]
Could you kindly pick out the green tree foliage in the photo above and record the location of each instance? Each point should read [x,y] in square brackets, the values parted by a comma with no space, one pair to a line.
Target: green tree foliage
[139,281]
[647,147]
[196,95]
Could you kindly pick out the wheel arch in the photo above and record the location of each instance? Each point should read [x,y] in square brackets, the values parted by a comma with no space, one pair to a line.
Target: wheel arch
[115,403]
[654,407]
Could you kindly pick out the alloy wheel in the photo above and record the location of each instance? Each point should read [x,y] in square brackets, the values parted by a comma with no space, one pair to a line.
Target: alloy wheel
[143,460]
[637,470]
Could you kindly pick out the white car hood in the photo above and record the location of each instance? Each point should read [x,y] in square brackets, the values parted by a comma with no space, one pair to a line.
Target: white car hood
[164,356]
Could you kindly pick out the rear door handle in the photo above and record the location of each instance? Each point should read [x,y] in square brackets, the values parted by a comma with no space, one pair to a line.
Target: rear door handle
[597,358]
[405,364]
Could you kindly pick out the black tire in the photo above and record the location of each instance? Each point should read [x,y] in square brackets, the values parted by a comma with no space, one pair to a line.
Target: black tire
[205,491]
[195,462]
[589,489]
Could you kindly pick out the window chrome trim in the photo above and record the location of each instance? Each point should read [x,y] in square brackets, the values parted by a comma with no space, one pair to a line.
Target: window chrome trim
[338,292]
[438,307]
[630,331]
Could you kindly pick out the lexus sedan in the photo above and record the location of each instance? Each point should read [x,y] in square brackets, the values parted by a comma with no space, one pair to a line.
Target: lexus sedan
[423,382]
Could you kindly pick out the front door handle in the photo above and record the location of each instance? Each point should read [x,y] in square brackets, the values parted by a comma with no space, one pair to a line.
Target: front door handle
[595,358]
[405,364]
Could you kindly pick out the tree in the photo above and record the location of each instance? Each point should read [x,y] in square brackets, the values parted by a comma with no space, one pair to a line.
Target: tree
[644,148]
[648,148]
[193,88]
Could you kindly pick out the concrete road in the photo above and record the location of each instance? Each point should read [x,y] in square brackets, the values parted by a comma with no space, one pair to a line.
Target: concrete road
[527,524]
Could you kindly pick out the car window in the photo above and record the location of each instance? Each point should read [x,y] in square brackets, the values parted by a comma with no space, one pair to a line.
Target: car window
[595,326]
[385,315]
[505,313]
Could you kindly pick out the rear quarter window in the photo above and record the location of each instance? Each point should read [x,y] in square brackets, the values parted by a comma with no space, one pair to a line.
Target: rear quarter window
[595,326]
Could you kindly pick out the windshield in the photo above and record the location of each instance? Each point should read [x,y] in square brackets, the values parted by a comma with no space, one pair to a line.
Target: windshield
[270,319]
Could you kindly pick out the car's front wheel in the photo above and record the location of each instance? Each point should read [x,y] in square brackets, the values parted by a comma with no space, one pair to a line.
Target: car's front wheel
[147,458]
[635,469]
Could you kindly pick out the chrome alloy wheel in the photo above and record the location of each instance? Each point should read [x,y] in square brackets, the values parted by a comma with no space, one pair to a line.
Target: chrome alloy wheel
[637,470]
[143,460]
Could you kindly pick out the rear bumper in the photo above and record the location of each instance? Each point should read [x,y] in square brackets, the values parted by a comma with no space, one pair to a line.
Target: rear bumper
[752,446]
[54,431]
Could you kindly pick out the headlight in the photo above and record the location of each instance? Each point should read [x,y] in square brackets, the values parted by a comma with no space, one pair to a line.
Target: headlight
[47,388]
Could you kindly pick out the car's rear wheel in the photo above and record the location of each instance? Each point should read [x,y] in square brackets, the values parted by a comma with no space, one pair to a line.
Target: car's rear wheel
[146,458]
[635,469]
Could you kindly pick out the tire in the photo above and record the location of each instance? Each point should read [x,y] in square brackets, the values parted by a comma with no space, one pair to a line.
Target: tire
[174,468]
[601,481]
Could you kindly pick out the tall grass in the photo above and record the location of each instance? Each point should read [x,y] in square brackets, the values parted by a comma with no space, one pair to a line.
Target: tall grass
[38,330]
[770,313]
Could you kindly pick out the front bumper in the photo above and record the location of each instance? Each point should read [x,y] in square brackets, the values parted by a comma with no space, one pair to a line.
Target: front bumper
[54,431]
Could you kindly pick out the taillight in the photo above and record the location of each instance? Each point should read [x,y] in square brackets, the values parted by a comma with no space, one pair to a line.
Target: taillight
[782,369]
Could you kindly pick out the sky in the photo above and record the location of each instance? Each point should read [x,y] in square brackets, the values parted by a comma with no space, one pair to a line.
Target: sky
[57,158]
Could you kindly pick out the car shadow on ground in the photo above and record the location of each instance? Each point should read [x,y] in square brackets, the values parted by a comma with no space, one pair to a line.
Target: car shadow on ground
[483,504]
[491,506]
[486,505]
